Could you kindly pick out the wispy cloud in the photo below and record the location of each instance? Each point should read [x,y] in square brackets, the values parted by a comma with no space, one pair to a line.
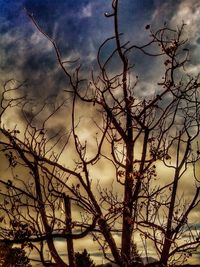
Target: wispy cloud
[86,11]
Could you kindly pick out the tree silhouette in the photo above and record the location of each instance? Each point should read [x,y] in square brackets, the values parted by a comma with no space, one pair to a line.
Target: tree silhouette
[132,135]
[14,257]
[83,259]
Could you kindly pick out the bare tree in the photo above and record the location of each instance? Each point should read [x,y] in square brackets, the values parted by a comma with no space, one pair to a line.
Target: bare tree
[135,137]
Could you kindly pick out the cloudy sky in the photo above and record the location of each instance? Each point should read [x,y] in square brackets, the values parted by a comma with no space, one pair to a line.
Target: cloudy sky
[79,27]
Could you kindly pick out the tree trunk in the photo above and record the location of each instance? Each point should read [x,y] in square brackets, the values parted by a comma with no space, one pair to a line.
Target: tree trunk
[50,242]
[70,247]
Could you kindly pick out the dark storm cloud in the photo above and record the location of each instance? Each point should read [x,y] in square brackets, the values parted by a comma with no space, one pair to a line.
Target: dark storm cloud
[25,53]
[72,23]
